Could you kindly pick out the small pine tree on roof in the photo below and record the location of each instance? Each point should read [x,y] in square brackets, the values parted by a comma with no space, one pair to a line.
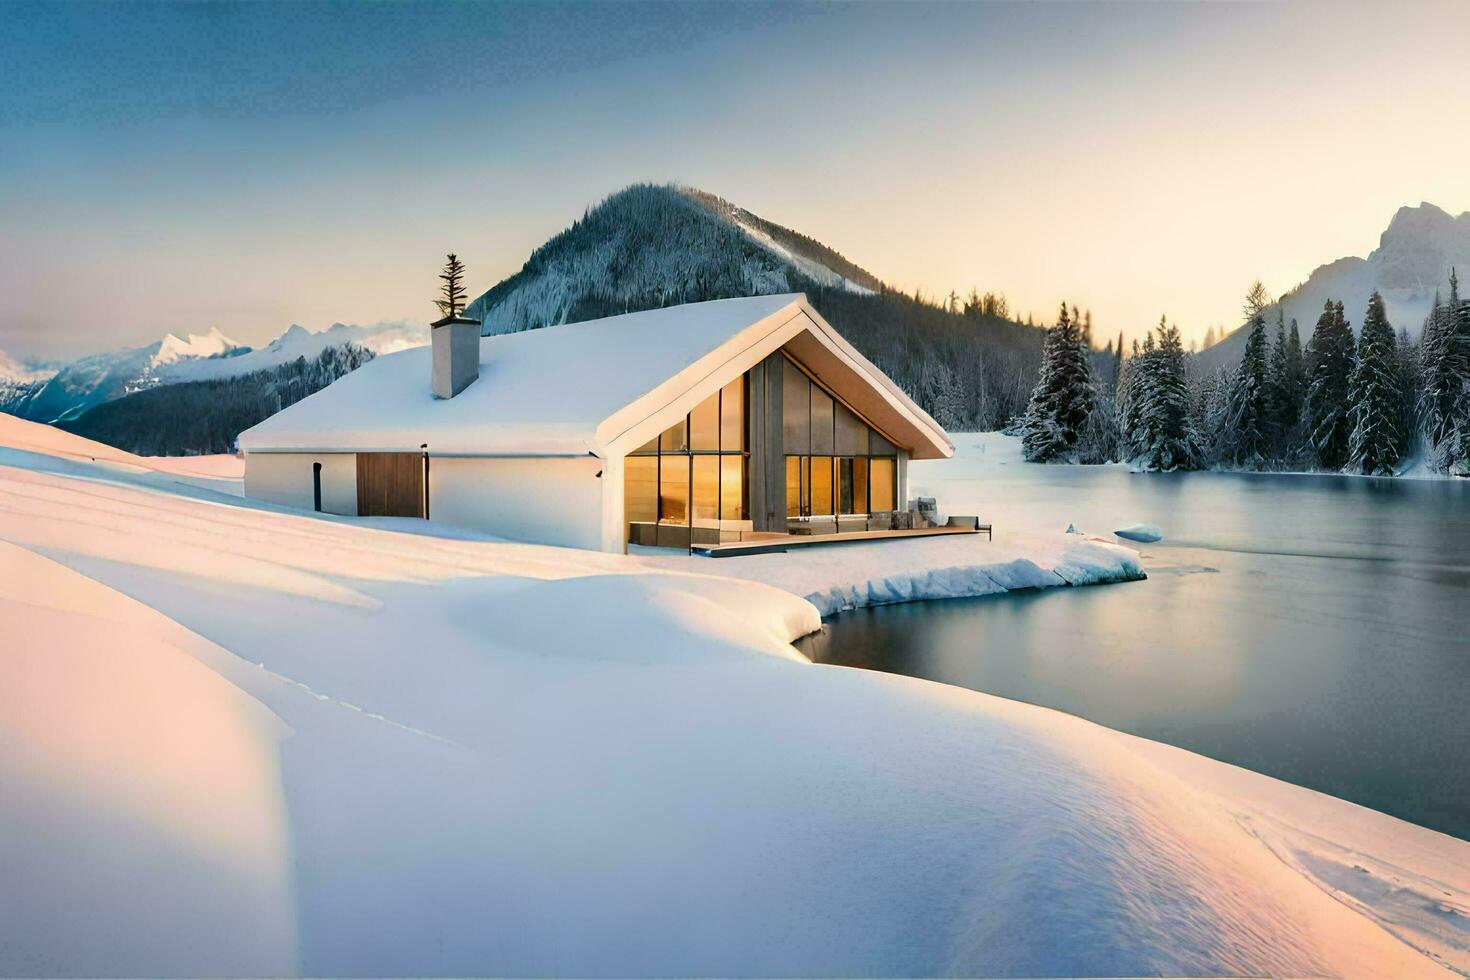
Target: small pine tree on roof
[453,301]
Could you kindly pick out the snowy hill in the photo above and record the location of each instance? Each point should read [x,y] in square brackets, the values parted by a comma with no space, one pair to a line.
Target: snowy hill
[1413,260]
[404,758]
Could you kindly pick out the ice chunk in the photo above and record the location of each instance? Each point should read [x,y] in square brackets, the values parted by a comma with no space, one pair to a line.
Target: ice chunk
[1146,533]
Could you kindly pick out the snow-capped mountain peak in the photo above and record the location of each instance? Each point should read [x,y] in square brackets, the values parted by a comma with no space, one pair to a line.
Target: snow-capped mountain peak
[14,370]
[174,348]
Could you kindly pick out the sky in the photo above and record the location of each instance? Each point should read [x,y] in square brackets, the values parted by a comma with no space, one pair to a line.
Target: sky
[179,167]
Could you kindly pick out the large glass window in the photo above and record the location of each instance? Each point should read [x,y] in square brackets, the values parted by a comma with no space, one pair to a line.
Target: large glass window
[732,417]
[673,490]
[821,503]
[883,488]
[640,488]
[732,487]
[675,438]
[706,488]
[845,488]
[704,426]
[694,474]
[836,463]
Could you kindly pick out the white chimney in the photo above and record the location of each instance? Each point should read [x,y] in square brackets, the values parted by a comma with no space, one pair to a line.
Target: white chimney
[456,341]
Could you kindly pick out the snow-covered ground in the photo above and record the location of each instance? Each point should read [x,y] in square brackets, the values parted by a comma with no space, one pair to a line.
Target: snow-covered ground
[240,740]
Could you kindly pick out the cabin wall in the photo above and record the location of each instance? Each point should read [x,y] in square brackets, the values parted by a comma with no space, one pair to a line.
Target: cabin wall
[286,479]
[541,500]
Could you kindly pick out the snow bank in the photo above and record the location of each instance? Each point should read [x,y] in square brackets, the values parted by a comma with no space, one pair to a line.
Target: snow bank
[221,473]
[512,759]
[143,820]
[845,576]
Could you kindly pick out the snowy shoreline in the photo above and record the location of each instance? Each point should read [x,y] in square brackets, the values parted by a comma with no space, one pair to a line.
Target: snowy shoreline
[841,577]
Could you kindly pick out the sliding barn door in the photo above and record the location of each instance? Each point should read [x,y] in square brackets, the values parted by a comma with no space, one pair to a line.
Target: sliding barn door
[390,484]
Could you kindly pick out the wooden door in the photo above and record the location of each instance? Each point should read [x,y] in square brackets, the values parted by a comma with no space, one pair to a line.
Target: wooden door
[390,484]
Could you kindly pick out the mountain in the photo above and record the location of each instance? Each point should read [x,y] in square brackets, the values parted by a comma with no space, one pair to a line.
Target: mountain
[379,338]
[81,385]
[211,344]
[20,382]
[191,417]
[650,246]
[89,381]
[1412,261]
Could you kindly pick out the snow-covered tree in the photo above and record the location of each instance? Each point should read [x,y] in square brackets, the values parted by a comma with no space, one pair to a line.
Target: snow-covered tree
[1247,435]
[1063,397]
[1287,386]
[1160,434]
[1375,399]
[944,396]
[1444,366]
[1329,359]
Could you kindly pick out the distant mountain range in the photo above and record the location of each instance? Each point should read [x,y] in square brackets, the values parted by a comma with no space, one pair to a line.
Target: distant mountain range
[1412,261]
[67,392]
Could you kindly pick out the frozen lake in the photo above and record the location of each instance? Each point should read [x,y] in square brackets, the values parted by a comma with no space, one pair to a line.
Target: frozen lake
[1316,629]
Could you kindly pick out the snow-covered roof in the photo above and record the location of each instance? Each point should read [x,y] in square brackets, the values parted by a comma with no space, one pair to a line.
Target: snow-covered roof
[600,386]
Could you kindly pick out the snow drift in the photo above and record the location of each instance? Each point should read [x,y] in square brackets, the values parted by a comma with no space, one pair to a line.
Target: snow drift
[474,757]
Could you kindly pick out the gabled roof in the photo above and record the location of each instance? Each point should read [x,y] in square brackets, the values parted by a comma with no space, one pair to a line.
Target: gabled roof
[601,386]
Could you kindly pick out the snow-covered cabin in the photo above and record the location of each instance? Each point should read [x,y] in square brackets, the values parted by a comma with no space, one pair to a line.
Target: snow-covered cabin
[704,423]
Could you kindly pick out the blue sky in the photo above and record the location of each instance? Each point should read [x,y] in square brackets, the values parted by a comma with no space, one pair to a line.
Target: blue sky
[177,167]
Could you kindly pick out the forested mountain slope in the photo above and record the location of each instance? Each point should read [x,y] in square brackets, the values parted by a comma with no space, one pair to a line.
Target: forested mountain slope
[651,246]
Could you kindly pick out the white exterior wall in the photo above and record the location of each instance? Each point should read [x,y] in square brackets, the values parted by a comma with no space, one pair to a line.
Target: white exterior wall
[286,478]
[542,500]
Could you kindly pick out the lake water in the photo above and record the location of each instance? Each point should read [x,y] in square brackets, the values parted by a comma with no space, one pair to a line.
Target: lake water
[1310,628]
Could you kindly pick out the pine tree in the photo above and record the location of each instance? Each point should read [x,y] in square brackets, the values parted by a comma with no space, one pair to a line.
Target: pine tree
[1457,450]
[944,396]
[1247,437]
[1329,359]
[1440,386]
[1444,365]
[1161,435]
[1293,389]
[452,291]
[1063,398]
[1375,400]
[1406,369]
[1277,400]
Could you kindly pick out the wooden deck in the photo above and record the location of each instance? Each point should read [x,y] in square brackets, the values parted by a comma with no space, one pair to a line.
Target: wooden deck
[778,543]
